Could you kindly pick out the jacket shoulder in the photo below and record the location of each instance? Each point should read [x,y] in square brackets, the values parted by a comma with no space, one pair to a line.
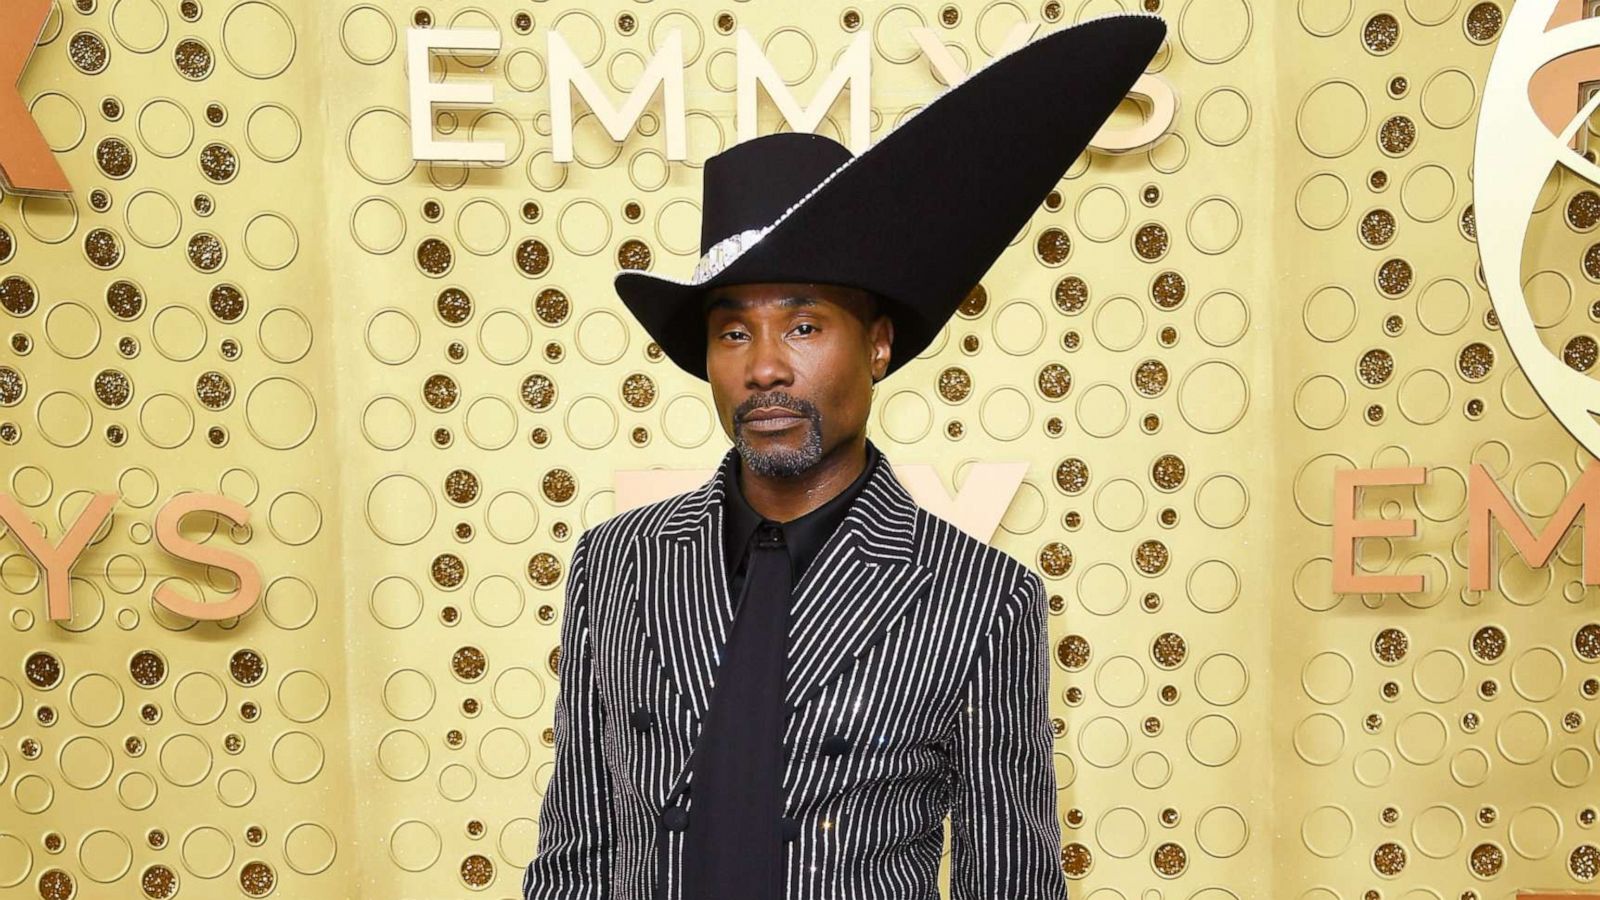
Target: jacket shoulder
[957,557]
[624,527]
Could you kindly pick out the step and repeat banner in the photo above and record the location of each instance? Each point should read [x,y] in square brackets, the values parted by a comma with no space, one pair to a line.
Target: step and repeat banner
[311,375]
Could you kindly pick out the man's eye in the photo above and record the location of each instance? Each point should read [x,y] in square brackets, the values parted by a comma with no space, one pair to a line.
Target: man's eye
[806,325]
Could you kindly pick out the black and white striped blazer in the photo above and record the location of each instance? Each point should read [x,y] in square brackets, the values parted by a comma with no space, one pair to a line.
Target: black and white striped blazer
[917,687]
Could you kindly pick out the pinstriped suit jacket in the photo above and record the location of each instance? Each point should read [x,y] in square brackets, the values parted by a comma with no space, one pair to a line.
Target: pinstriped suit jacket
[920,647]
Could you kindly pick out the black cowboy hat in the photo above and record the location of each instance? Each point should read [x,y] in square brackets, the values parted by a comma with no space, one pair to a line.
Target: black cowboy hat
[918,217]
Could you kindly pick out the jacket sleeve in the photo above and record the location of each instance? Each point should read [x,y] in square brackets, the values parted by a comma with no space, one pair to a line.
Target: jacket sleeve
[1005,836]
[577,827]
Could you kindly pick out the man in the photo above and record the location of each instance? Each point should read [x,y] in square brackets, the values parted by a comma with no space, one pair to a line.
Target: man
[778,684]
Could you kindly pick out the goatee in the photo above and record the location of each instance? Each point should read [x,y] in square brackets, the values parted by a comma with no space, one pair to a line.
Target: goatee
[779,461]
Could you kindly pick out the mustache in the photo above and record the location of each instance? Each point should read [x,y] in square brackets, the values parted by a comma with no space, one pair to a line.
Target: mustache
[799,405]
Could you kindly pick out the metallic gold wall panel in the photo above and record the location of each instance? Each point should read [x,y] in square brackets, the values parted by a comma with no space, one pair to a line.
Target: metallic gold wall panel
[417,378]
[172,322]
[1435,741]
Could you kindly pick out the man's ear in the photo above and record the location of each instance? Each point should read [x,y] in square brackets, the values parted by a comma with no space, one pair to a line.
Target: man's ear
[882,351]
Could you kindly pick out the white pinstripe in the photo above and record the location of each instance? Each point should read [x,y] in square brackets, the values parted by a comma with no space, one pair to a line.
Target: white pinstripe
[922,646]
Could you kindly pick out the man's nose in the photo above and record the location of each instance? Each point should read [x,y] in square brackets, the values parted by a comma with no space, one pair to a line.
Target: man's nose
[769,361]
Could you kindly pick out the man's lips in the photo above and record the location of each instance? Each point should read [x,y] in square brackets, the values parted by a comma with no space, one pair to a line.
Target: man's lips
[771,413]
[772,419]
[773,423]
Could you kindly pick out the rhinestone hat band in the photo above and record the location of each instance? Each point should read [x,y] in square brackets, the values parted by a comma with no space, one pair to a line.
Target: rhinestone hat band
[725,251]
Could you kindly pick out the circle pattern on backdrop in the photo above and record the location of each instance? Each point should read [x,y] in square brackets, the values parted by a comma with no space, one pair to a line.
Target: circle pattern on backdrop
[297,308]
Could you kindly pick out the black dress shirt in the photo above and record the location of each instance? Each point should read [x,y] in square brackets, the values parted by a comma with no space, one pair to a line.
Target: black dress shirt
[804,535]
[741,773]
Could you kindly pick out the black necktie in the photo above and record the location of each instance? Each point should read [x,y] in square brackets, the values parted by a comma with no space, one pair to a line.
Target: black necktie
[741,863]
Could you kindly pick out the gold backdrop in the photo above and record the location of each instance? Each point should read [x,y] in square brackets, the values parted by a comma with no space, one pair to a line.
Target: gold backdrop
[417,378]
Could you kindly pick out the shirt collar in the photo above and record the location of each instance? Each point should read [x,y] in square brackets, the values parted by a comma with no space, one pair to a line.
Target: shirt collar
[803,536]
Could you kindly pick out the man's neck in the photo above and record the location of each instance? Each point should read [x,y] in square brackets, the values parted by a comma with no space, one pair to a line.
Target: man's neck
[783,499]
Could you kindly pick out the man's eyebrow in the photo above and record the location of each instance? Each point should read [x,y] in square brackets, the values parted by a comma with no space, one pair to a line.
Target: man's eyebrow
[742,303]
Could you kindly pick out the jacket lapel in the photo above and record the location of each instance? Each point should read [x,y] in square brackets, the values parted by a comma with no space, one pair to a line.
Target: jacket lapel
[862,580]
[681,592]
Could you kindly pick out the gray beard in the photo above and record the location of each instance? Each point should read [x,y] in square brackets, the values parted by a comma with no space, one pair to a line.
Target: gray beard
[782,462]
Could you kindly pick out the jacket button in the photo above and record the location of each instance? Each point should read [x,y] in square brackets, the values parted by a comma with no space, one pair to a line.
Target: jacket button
[791,828]
[675,818]
[835,745]
[642,719]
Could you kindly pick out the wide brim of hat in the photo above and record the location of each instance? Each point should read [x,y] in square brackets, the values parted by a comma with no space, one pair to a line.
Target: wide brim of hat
[922,214]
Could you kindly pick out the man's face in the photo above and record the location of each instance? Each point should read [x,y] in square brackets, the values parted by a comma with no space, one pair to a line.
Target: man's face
[812,350]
